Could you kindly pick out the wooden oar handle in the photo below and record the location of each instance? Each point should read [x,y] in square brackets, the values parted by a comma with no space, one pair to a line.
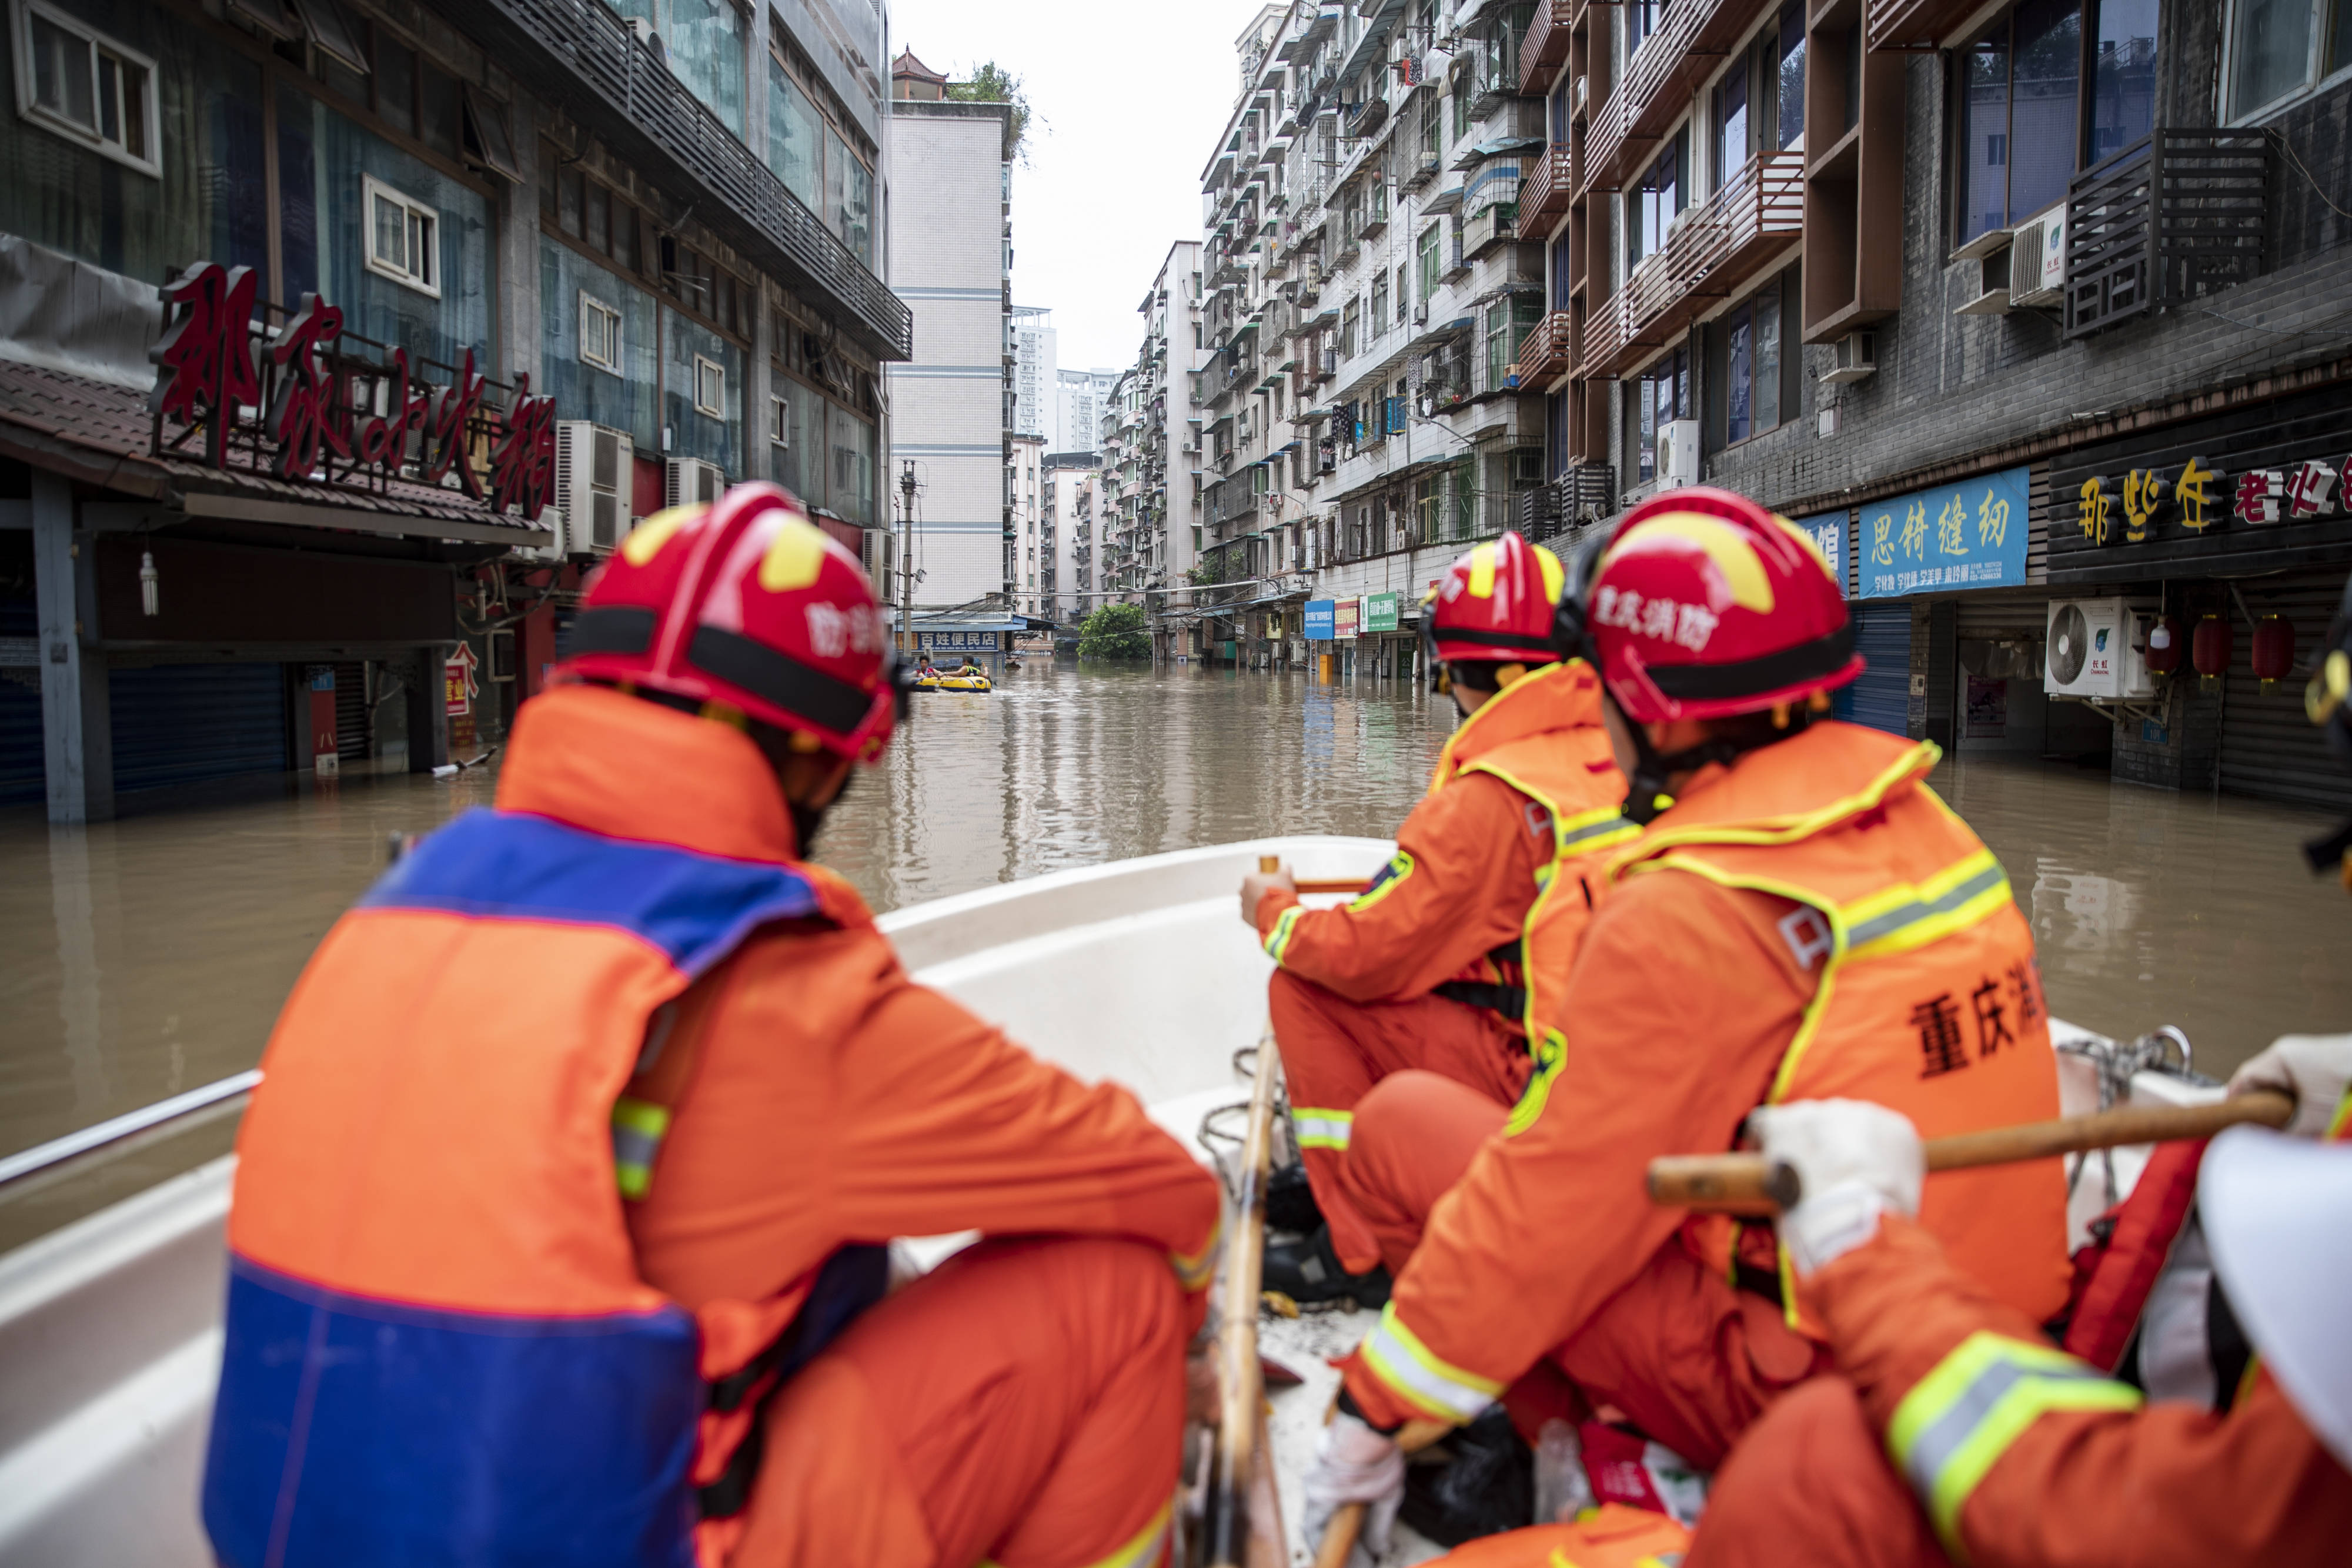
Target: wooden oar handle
[1347,1519]
[1748,1183]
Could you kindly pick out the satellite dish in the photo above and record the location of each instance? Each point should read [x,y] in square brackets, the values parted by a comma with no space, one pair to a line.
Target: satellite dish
[2070,644]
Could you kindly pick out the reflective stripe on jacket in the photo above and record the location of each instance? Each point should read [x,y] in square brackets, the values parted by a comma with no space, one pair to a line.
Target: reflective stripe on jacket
[439,1349]
[1928,997]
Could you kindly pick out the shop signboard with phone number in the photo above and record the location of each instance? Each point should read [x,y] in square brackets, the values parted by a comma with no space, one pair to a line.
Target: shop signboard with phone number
[1970,535]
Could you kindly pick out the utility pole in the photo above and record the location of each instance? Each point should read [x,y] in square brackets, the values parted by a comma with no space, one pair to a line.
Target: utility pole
[907,554]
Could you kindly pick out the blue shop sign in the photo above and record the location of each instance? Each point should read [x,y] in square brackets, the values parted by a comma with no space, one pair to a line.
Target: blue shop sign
[1969,535]
[1828,534]
[1319,620]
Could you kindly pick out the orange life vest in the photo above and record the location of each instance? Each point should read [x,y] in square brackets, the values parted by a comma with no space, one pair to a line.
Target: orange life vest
[1542,735]
[439,1350]
[1927,998]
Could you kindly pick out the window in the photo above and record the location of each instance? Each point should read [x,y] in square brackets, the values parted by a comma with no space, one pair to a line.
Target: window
[599,334]
[709,388]
[1759,104]
[793,136]
[1380,300]
[1641,21]
[1426,260]
[2279,49]
[1660,395]
[2051,87]
[85,86]
[404,237]
[1347,318]
[1750,336]
[1507,324]
[1650,208]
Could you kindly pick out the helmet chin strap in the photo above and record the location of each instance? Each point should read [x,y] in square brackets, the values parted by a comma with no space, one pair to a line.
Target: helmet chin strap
[1647,792]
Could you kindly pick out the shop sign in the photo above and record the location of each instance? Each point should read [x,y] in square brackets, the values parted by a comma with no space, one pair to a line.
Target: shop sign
[1319,620]
[1964,535]
[1828,534]
[309,403]
[1379,613]
[957,642]
[458,686]
[1347,615]
[2197,498]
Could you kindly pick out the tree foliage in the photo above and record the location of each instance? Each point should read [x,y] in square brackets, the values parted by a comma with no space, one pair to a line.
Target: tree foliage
[1115,631]
[991,83]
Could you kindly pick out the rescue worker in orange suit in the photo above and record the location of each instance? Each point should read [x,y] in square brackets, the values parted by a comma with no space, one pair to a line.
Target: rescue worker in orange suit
[558,1229]
[1800,917]
[2008,1454]
[1423,969]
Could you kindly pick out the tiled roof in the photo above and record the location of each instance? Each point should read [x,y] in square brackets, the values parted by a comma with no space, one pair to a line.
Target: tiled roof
[112,422]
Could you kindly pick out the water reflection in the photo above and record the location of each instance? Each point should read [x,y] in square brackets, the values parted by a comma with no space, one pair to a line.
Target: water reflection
[150,955]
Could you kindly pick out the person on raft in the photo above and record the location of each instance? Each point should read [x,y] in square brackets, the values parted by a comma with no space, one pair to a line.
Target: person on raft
[557,1234]
[1424,970]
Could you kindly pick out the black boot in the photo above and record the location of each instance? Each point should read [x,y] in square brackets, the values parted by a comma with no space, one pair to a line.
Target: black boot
[1309,1272]
[1489,1486]
[1290,1202]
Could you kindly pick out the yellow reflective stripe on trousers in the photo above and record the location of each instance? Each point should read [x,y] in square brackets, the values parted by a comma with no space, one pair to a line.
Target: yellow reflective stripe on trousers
[1140,1551]
[1320,1128]
[1961,1417]
[637,1129]
[1194,1270]
[1279,937]
[1428,1384]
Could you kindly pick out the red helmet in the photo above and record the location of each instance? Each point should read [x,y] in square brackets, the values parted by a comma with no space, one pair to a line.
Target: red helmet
[745,602]
[1705,605]
[1497,602]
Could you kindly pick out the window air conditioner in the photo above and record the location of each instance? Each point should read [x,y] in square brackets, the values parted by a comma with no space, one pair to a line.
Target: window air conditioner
[1677,453]
[1987,255]
[593,474]
[1857,358]
[2095,651]
[1421,314]
[2037,260]
[643,29]
[691,481]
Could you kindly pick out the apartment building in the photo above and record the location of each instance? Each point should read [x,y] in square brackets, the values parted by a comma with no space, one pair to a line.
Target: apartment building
[954,405]
[1151,445]
[1036,375]
[1077,408]
[1033,529]
[1067,554]
[2031,314]
[1368,295]
[343,335]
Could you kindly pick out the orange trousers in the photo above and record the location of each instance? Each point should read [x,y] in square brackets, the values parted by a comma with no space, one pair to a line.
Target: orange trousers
[1689,1360]
[1333,1051]
[1813,1485]
[1021,1405]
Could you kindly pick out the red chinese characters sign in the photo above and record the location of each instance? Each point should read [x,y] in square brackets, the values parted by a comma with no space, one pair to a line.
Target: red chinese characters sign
[309,402]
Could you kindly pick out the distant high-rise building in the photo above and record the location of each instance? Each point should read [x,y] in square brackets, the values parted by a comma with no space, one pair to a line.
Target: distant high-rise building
[1079,399]
[1034,372]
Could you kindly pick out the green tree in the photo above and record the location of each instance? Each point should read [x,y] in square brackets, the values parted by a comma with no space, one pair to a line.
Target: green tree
[991,83]
[1115,631]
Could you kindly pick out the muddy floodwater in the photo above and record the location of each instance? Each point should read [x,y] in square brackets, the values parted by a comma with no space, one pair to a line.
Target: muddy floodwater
[149,956]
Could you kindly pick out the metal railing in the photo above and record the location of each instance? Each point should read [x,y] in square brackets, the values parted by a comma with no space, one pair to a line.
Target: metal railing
[1549,351]
[1544,188]
[581,55]
[2176,215]
[1658,82]
[1703,260]
[1545,47]
[163,1118]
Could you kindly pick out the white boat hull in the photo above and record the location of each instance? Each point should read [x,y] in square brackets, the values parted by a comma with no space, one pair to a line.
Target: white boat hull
[1140,972]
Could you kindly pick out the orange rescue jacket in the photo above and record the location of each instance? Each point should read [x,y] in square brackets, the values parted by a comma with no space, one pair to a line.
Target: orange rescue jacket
[1449,910]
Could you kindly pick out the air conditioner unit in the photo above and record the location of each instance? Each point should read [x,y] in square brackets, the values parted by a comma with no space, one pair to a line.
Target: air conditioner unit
[643,29]
[1677,453]
[1857,358]
[593,474]
[2095,651]
[880,553]
[1421,314]
[2037,260]
[691,481]
[1987,255]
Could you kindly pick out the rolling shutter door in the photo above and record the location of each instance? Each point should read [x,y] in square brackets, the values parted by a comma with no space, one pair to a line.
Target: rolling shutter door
[1882,697]
[351,712]
[2268,747]
[23,771]
[177,724]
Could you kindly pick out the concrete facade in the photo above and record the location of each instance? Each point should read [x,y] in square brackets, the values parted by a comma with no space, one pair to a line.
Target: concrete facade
[1036,379]
[952,407]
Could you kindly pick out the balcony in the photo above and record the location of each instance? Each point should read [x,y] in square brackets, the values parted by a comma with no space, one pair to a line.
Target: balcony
[1544,190]
[1715,249]
[1550,347]
[1545,47]
[2177,215]
[581,55]
[1691,41]
[1896,22]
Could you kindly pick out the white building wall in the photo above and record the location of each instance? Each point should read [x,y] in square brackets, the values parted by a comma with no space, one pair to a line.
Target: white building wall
[948,414]
[1035,378]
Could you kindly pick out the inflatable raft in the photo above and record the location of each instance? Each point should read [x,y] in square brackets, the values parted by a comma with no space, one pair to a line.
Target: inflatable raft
[936,682]
[1138,971]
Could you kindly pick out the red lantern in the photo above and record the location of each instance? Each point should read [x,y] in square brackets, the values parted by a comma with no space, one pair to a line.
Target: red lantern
[2274,649]
[2211,648]
[2165,646]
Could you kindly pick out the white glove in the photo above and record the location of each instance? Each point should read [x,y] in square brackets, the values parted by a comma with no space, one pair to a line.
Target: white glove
[2314,1067]
[1856,1161]
[1354,1464]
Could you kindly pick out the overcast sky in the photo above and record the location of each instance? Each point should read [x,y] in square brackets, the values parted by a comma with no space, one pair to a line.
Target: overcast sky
[1132,98]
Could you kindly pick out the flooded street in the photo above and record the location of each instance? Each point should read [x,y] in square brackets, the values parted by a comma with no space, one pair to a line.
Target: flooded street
[150,955]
